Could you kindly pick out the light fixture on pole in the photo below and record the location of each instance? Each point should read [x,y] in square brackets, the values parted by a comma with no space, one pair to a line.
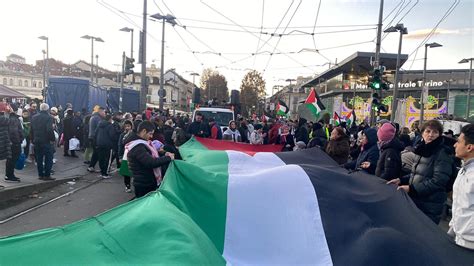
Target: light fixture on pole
[97,39]
[468,105]
[171,20]
[194,74]
[403,30]
[46,63]
[126,29]
[424,89]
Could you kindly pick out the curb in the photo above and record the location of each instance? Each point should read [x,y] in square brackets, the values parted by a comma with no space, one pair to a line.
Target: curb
[16,192]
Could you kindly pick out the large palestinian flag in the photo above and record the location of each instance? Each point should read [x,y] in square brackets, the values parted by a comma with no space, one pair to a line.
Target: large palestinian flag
[244,207]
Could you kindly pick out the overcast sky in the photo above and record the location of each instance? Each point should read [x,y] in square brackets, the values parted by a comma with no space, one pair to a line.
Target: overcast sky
[232,39]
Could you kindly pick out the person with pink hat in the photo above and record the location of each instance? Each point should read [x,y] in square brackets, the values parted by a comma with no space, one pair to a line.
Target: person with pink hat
[390,163]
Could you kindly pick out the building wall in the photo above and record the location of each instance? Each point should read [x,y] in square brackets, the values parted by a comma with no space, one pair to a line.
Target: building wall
[28,84]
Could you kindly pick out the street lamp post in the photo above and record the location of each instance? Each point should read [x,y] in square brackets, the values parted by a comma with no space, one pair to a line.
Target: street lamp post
[46,63]
[425,88]
[126,29]
[289,92]
[447,94]
[170,19]
[468,105]
[403,30]
[97,39]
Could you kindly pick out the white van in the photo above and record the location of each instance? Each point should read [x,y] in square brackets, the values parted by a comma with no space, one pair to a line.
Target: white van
[222,115]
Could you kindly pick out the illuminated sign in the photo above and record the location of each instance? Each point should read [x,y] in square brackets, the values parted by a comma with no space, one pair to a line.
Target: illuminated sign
[404,85]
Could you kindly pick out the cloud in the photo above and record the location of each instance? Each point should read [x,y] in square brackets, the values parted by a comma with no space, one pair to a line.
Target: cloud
[421,34]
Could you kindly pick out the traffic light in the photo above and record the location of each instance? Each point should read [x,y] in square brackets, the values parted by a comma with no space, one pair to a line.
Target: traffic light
[129,66]
[375,79]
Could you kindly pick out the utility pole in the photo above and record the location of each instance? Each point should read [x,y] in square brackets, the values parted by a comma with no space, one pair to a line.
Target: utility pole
[97,69]
[379,37]
[121,83]
[143,85]
[162,71]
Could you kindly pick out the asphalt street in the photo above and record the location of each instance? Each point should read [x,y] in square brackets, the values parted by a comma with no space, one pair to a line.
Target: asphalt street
[90,201]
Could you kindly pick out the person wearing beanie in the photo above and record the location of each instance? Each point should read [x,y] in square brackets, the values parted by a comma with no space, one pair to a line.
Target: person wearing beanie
[390,163]
[369,155]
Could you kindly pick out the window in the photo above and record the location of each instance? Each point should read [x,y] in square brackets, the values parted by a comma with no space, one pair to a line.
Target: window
[4,81]
[20,83]
[40,85]
[34,84]
[11,82]
[26,83]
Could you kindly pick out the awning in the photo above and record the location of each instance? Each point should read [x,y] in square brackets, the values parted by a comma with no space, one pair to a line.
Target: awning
[6,92]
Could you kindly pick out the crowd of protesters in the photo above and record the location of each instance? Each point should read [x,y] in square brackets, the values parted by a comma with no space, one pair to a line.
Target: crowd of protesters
[423,161]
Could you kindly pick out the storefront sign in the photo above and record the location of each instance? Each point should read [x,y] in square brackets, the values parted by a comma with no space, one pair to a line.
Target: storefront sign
[405,85]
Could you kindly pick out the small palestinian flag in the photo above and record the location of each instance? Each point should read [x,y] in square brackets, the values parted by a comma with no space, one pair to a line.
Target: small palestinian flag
[351,118]
[281,108]
[313,103]
[336,119]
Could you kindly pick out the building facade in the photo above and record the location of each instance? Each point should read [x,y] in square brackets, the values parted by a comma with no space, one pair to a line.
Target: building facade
[344,88]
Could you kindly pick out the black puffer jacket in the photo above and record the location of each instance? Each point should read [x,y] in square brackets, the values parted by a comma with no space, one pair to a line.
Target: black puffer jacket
[301,133]
[42,128]
[430,176]
[141,164]
[389,165]
[5,144]
[15,130]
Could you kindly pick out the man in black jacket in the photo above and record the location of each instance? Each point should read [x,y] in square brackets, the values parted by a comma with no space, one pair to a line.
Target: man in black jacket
[104,139]
[5,144]
[143,162]
[198,128]
[43,138]
[16,137]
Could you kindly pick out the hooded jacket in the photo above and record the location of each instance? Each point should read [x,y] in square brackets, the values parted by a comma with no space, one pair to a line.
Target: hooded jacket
[105,136]
[141,163]
[42,128]
[369,153]
[301,134]
[389,165]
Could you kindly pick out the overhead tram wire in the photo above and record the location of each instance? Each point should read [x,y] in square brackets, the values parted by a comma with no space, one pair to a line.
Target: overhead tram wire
[220,13]
[314,29]
[261,29]
[426,39]
[284,30]
[408,12]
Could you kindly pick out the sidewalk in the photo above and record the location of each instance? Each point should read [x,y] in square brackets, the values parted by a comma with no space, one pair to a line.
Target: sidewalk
[66,169]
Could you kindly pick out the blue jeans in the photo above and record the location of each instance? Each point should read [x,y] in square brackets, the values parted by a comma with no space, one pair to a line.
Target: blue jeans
[44,155]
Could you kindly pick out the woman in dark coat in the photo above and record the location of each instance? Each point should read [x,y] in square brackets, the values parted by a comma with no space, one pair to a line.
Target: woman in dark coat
[69,132]
[369,155]
[430,173]
[390,162]
[338,146]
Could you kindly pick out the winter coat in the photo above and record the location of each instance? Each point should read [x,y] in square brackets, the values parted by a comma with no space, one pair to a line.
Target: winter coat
[68,127]
[389,165]
[116,132]
[256,138]
[370,153]
[5,143]
[141,164]
[93,123]
[105,135]
[429,177]
[462,223]
[301,133]
[216,131]
[244,133]
[42,128]
[168,133]
[199,129]
[319,139]
[338,149]
[15,130]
